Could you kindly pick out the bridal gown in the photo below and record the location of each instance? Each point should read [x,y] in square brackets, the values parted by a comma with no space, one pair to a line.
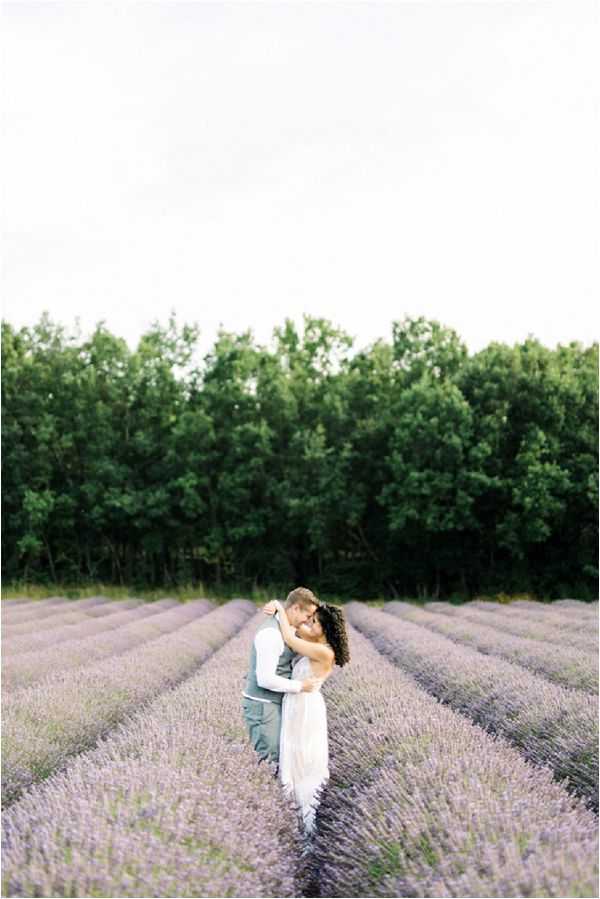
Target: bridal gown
[303,748]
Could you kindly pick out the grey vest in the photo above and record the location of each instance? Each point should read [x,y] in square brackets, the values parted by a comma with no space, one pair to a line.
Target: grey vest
[284,667]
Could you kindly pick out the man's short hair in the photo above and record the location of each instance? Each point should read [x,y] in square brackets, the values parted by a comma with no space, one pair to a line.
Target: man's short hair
[303,597]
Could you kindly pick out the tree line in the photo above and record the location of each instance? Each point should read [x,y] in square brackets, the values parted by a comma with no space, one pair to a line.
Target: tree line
[407,468]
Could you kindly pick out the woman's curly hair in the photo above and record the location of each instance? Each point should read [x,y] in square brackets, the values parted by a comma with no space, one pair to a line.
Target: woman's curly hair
[333,622]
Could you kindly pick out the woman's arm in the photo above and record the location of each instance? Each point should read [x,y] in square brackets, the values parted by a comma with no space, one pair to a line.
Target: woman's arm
[315,651]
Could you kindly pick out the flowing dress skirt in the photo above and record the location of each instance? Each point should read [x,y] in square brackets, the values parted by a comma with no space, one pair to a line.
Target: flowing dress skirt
[303,749]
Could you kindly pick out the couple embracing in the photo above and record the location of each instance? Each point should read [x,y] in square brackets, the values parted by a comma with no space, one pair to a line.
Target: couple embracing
[293,653]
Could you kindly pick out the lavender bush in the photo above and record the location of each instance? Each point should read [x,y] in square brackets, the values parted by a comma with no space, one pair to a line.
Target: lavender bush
[123,604]
[560,605]
[553,726]
[53,635]
[577,604]
[565,618]
[564,665]
[38,608]
[66,713]
[164,616]
[33,610]
[173,803]
[546,631]
[66,617]
[26,602]
[423,803]
[16,600]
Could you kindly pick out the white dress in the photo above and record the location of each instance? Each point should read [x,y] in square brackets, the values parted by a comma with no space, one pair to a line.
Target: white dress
[303,748]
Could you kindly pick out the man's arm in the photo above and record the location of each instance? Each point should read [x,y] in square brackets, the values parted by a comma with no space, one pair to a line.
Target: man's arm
[269,646]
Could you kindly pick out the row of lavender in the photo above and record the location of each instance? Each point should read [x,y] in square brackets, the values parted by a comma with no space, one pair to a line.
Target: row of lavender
[569,665]
[582,618]
[64,648]
[65,713]
[589,609]
[172,803]
[50,632]
[21,610]
[565,630]
[551,725]
[28,621]
[421,802]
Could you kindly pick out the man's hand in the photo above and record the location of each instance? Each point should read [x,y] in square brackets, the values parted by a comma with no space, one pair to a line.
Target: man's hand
[311,684]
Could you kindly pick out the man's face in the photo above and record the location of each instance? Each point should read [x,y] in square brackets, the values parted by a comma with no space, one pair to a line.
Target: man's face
[297,615]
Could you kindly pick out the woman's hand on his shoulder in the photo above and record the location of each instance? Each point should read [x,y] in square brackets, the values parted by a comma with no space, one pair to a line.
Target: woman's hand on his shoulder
[272,607]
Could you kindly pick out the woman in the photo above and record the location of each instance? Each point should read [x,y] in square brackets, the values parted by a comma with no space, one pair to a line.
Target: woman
[303,748]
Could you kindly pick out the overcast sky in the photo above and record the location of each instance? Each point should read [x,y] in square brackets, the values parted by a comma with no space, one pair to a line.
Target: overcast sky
[241,163]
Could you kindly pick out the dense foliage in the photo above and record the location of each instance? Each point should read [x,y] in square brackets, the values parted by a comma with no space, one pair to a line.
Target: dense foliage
[406,468]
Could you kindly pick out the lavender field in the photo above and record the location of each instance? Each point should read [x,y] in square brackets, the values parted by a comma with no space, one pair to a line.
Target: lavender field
[463,760]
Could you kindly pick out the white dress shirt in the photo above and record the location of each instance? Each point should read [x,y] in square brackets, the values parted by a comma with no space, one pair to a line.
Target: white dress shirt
[269,645]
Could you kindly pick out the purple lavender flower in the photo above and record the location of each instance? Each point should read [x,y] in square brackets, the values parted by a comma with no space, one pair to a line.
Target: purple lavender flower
[65,713]
[64,652]
[552,725]
[545,629]
[421,802]
[180,804]
[566,665]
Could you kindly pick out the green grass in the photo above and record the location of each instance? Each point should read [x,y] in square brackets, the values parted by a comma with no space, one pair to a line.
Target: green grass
[389,862]
[258,594]
[70,591]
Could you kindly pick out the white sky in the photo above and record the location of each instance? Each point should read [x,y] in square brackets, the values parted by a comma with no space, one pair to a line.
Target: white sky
[240,163]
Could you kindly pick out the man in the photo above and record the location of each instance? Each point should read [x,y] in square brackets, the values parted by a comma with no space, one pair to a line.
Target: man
[270,675]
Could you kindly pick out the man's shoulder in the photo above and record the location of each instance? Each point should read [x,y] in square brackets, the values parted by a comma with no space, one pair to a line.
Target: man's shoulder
[270,621]
[271,625]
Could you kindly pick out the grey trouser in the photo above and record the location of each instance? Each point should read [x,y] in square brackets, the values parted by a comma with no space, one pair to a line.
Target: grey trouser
[263,720]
